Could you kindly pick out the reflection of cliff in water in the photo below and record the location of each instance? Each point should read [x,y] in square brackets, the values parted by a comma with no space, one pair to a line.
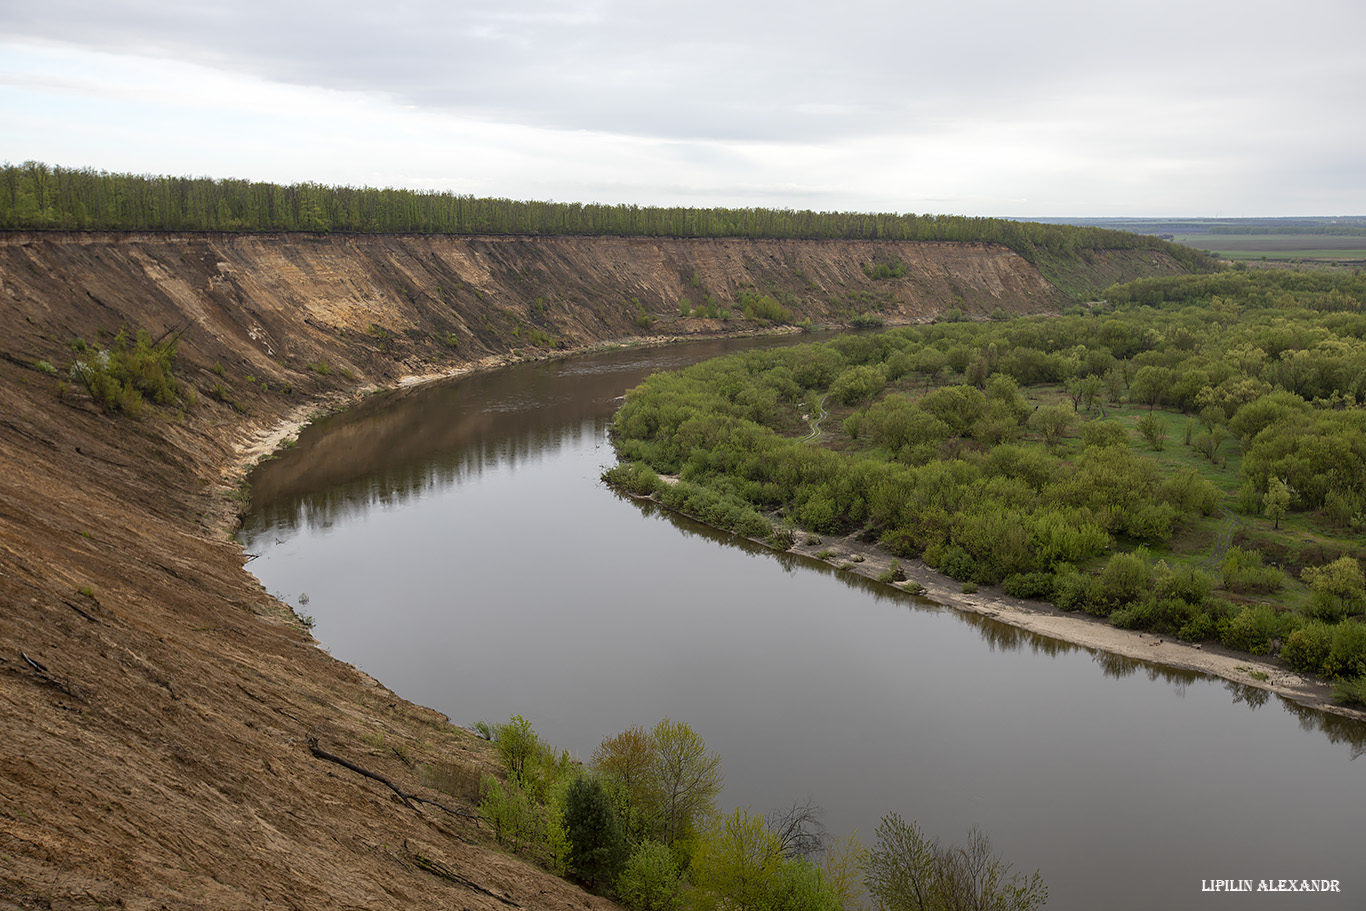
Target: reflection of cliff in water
[478,445]
[408,443]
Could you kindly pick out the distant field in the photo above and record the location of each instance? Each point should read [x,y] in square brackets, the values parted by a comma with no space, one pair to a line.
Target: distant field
[1278,246]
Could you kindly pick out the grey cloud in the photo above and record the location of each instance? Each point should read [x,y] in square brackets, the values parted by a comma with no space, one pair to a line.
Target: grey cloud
[710,69]
[1212,85]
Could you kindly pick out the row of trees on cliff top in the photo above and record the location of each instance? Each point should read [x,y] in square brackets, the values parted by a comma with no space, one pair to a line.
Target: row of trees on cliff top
[1090,460]
[640,823]
[34,195]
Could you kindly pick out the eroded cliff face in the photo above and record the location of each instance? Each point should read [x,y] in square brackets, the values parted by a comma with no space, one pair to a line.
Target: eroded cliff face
[381,306]
[156,705]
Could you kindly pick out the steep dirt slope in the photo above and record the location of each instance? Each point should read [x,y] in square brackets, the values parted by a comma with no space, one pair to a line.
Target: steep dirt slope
[380,306]
[156,705]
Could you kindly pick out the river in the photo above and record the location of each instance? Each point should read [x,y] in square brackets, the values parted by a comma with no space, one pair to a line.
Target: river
[455,541]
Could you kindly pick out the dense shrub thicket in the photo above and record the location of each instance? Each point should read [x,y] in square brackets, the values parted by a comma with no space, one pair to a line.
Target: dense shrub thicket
[987,450]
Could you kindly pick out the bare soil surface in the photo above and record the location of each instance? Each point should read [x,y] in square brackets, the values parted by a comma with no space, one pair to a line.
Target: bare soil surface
[173,736]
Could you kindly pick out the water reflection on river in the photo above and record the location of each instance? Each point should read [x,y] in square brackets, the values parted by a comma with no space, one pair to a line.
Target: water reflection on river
[455,541]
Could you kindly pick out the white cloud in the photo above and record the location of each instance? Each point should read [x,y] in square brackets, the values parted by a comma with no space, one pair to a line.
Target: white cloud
[1050,108]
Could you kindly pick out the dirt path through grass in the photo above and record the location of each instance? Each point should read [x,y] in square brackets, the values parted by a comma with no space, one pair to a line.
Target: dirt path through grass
[815,422]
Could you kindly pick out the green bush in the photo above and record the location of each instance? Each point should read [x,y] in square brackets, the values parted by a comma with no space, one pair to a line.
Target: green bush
[1339,589]
[1029,585]
[763,307]
[1073,590]
[1135,615]
[1172,615]
[800,885]
[650,880]
[1243,571]
[1125,577]
[1347,656]
[118,377]
[893,573]
[957,564]
[1307,648]
[1253,629]
[510,811]
[633,477]
[1183,582]
[518,745]
[1109,432]
[857,384]
[1200,628]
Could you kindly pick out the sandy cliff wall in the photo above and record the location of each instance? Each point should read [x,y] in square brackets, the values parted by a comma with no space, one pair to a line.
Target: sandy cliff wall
[381,306]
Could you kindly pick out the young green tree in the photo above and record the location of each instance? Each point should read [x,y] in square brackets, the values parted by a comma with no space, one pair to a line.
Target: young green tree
[1052,422]
[518,745]
[1276,501]
[901,867]
[1154,430]
[858,384]
[688,777]
[514,817]
[650,881]
[1339,588]
[800,885]
[736,862]
[843,862]
[629,759]
[597,846]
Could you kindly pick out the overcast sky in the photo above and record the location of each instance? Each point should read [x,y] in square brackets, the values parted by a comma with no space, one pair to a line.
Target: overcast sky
[982,107]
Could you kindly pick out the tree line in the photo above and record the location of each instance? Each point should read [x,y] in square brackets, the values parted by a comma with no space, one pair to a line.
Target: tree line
[34,195]
[1034,453]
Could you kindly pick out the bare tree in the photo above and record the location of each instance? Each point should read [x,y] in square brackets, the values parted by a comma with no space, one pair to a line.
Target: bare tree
[799,829]
[909,871]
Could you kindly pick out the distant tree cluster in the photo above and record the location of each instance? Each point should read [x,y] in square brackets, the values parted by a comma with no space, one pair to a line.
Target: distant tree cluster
[34,195]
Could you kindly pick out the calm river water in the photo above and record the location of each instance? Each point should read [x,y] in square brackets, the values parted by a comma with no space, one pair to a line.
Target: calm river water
[455,541]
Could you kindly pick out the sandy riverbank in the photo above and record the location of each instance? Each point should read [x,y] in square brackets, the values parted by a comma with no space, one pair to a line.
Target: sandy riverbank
[1084,630]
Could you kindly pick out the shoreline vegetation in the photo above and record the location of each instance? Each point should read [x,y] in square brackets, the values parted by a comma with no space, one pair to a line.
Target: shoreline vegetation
[1029,462]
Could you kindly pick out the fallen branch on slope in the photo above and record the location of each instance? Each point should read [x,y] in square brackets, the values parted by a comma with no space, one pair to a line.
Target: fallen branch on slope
[436,868]
[406,796]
